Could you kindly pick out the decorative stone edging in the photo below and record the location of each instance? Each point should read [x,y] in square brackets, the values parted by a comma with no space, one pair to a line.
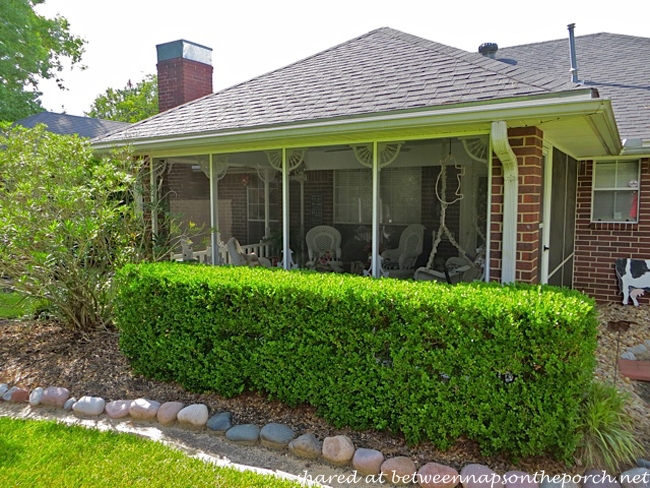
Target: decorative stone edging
[639,352]
[369,465]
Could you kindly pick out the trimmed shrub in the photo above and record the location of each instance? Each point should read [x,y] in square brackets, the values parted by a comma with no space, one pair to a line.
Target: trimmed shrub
[503,365]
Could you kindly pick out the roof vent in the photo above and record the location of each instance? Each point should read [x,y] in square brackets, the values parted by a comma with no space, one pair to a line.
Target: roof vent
[488,49]
[572,52]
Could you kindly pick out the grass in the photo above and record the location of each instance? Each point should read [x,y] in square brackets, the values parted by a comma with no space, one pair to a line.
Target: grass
[49,454]
[13,305]
[608,440]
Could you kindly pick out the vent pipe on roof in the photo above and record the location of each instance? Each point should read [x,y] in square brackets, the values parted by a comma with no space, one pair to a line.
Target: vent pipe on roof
[488,49]
[572,48]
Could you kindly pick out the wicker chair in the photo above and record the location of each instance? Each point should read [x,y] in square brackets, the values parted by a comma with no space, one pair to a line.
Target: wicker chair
[400,262]
[324,248]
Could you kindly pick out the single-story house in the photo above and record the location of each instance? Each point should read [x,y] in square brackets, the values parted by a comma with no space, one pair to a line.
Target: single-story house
[533,160]
[72,124]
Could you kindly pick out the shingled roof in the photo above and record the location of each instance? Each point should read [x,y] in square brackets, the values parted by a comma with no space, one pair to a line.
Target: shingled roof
[618,66]
[72,124]
[382,71]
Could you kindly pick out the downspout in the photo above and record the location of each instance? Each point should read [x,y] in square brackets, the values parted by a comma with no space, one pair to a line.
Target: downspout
[501,147]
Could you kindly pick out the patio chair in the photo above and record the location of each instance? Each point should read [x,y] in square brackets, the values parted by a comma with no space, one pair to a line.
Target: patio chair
[400,262]
[324,248]
[239,258]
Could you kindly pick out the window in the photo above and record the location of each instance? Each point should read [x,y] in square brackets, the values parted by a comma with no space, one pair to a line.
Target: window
[399,190]
[256,200]
[615,192]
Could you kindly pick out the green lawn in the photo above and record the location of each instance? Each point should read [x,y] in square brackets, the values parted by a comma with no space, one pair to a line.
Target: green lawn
[47,454]
[13,306]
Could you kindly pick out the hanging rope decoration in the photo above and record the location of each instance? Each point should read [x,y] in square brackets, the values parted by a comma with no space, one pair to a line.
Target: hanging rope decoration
[441,195]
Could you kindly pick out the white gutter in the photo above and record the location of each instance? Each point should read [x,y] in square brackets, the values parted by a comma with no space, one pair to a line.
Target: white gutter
[501,147]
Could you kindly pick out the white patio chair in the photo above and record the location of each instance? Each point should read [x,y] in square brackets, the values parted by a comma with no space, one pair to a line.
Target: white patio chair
[400,262]
[239,258]
[324,248]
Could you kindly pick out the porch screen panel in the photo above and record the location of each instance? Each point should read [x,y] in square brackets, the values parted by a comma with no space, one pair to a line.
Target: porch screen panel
[562,225]
[400,194]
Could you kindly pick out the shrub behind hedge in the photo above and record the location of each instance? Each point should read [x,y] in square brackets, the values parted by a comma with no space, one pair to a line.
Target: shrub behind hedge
[505,366]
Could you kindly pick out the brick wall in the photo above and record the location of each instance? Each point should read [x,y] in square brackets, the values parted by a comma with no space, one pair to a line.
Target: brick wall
[527,144]
[599,244]
[182,80]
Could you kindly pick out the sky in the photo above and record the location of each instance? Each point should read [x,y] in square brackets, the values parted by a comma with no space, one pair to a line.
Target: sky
[253,37]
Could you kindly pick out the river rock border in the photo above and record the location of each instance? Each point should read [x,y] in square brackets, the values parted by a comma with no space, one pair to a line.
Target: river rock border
[369,465]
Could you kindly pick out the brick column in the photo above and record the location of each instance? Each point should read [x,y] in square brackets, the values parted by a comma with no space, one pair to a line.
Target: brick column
[527,144]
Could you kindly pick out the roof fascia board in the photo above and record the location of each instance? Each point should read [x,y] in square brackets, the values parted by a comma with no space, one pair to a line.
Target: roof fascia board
[535,110]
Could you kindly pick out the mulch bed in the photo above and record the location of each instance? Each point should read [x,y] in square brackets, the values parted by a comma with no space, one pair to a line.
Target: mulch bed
[36,353]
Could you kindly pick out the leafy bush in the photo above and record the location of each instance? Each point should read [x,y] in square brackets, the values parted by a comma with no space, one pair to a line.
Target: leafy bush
[67,220]
[505,366]
[608,440]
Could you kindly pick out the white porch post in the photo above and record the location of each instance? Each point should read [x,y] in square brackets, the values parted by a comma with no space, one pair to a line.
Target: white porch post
[286,253]
[214,213]
[267,204]
[153,193]
[375,211]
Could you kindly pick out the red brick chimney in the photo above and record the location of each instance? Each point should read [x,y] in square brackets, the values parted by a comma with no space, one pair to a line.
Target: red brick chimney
[184,73]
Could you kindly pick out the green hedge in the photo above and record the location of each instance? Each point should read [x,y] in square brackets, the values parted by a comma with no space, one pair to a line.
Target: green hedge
[503,365]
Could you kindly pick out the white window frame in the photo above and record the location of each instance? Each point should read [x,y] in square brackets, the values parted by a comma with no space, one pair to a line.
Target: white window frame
[618,187]
[258,184]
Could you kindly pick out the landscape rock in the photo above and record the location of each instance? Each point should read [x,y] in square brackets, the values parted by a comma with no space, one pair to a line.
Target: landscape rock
[638,350]
[551,483]
[143,409]
[434,475]
[118,409]
[306,446]
[399,470]
[643,463]
[36,396]
[3,389]
[18,395]
[276,436]
[519,479]
[635,478]
[54,396]
[367,461]
[247,434]
[480,476]
[597,478]
[168,412]
[338,450]
[628,355]
[193,415]
[7,394]
[69,403]
[220,422]
[89,406]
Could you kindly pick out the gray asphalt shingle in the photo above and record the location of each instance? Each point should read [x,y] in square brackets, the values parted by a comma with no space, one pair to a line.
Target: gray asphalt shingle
[617,65]
[381,71]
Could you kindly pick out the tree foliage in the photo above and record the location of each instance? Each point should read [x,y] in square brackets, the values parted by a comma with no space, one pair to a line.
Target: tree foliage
[68,220]
[32,47]
[129,104]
